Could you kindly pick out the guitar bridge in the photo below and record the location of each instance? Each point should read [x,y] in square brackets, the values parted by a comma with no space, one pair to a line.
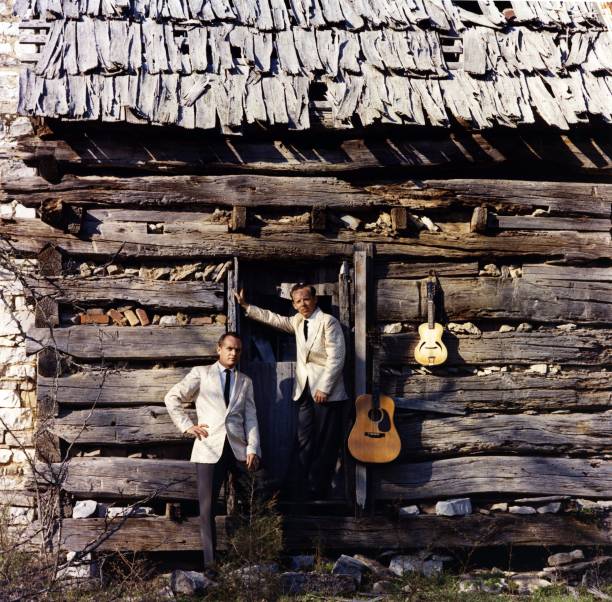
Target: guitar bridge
[374,435]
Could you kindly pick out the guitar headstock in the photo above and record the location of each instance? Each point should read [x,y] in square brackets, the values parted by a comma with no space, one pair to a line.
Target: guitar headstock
[431,285]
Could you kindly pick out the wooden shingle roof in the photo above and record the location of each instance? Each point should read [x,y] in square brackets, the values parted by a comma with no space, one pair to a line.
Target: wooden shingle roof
[228,63]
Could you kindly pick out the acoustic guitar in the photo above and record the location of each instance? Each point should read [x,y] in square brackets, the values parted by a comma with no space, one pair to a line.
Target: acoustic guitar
[430,350]
[373,438]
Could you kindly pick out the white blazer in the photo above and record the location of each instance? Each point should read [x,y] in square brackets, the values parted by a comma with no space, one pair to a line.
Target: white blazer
[238,421]
[320,359]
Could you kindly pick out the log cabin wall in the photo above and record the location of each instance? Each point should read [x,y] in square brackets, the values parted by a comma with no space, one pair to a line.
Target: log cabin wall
[515,222]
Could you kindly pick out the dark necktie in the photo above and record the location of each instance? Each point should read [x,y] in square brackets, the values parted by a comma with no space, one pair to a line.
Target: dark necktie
[305,330]
[226,388]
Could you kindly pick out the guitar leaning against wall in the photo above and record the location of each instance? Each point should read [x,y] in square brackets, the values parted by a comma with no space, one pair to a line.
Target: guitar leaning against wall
[374,438]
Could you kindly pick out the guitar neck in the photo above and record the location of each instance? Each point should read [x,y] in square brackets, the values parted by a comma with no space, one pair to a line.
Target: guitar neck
[431,315]
[375,376]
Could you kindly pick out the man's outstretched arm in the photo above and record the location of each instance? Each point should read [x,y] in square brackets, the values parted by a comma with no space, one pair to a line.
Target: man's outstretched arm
[264,315]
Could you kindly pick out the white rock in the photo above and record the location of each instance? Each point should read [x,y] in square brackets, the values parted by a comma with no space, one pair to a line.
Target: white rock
[501,507]
[528,583]
[168,321]
[84,509]
[84,568]
[606,504]
[189,583]
[458,507]
[5,455]
[350,221]
[409,511]
[506,328]
[465,328]
[9,399]
[524,327]
[113,268]
[22,212]
[565,558]
[394,328]
[521,510]
[429,224]
[400,565]
[567,327]
[515,272]
[584,504]
[551,508]
[16,418]
[538,368]
[490,270]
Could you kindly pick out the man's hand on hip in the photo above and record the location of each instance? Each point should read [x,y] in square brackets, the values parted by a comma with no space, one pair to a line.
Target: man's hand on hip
[320,397]
[252,462]
[198,430]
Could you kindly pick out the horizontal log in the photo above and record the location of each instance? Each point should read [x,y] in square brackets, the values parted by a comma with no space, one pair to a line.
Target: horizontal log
[504,391]
[129,478]
[205,296]
[30,236]
[112,387]
[137,148]
[340,533]
[124,478]
[494,475]
[521,434]
[528,222]
[121,343]
[397,269]
[579,348]
[536,272]
[145,425]
[586,300]
[153,192]
[572,434]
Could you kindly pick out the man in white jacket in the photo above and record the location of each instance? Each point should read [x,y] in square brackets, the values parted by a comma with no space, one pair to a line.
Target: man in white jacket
[227,433]
[319,386]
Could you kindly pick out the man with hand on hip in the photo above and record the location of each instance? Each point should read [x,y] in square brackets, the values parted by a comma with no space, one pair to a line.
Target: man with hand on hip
[319,385]
[227,433]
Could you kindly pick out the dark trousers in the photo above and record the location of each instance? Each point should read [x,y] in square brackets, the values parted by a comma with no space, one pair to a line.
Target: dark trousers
[317,446]
[210,480]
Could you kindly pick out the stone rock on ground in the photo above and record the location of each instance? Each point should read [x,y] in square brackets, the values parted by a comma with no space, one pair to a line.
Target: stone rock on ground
[256,573]
[378,569]
[401,564]
[317,583]
[458,507]
[382,587]
[528,583]
[522,510]
[189,583]
[346,565]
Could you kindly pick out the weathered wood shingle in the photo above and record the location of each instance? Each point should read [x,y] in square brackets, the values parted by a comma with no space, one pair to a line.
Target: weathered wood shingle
[372,62]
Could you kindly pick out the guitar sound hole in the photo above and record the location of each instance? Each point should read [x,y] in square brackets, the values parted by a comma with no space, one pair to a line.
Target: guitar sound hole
[375,414]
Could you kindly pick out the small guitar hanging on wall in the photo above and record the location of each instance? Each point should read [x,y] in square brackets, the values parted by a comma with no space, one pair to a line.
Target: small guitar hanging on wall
[374,438]
[430,350]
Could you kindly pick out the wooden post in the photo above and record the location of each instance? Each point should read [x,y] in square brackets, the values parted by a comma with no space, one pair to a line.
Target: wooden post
[479,220]
[363,256]
[46,315]
[344,315]
[239,218]
[399,219]
[233,311]
[318,218]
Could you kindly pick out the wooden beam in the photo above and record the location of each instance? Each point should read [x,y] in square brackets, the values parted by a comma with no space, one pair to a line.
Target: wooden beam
[503,391]
[497,392]
[364,306]
[120,343]
[112,387]
[137,148]
[28,237]
[560,199]
[418,269]
[238,221]
[158,294]
[579,347]
[587,300]
[571,434]
[479,221]
[339,533]
[528,222]
[46,317]
[128,478]
[463,477]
